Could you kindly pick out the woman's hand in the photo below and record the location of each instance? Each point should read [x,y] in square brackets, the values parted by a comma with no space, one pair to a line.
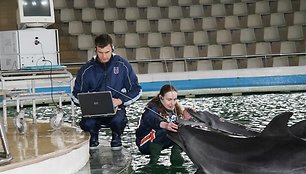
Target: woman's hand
[169,126]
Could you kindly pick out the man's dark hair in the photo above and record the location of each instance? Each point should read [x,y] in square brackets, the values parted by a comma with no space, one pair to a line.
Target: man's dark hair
[103,40]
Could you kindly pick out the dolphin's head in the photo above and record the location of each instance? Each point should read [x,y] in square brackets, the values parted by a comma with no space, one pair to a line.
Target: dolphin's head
[205,117]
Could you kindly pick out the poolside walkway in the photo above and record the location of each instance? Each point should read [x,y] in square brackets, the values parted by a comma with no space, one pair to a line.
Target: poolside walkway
[43,149]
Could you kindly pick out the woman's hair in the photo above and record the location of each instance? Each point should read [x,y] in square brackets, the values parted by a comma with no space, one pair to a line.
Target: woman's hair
[103,40]
[157,100]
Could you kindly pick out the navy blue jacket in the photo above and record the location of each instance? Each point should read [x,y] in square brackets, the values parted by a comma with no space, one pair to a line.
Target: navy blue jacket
[116,76]
[150,120]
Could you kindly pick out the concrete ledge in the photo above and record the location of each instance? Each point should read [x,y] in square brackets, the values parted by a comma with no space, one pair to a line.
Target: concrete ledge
[45,150]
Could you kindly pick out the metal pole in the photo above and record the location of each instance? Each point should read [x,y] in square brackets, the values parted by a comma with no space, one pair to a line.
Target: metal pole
[7,155]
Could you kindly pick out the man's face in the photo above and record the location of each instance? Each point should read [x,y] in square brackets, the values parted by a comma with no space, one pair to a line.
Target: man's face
[104,54]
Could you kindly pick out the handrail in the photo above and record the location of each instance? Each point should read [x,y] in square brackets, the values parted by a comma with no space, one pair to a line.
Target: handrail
[5,156]
[202,58]
[32,76]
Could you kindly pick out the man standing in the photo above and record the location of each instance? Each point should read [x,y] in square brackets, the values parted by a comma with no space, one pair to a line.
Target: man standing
[107,72]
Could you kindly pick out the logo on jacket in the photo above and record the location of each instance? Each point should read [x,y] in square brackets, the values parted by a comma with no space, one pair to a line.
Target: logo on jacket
[116,70]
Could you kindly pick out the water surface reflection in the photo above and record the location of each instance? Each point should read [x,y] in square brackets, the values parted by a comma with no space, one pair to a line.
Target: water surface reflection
[254,111]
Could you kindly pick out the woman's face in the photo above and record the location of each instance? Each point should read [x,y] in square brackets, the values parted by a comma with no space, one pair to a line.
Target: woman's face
[169,100]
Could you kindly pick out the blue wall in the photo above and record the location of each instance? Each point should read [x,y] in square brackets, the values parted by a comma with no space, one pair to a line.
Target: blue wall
[228,82]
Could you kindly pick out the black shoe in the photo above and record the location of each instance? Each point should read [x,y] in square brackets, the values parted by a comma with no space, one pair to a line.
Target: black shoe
[116,142]
[94,141]
[116,145]
[94,145]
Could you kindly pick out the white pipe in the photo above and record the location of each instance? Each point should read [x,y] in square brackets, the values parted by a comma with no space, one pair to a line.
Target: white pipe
[36,77]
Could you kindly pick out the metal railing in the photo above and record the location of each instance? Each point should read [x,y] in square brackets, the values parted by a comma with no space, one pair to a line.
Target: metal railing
[191,59]
[30,94]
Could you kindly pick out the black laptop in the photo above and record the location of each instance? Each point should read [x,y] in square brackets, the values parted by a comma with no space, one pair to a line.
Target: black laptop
[97,104]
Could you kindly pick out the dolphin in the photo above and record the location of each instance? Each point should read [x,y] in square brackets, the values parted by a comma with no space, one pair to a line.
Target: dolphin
[217,146]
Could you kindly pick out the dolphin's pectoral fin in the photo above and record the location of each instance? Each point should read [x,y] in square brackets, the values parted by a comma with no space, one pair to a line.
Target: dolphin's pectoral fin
[278,126]
[177,139]
[299,129]
[199,172]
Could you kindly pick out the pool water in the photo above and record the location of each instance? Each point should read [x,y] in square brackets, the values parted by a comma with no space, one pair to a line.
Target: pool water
[253,111]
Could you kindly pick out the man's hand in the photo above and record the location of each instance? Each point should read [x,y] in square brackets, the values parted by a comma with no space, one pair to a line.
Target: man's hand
[117,102]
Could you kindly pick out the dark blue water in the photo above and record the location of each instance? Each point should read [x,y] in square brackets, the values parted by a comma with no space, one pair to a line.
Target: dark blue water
[253,111]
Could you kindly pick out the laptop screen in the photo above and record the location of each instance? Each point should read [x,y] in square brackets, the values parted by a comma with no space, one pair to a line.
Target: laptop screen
[96,104]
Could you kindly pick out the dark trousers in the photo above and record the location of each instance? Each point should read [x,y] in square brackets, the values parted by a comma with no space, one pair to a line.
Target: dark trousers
[161,138]
[116,123]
